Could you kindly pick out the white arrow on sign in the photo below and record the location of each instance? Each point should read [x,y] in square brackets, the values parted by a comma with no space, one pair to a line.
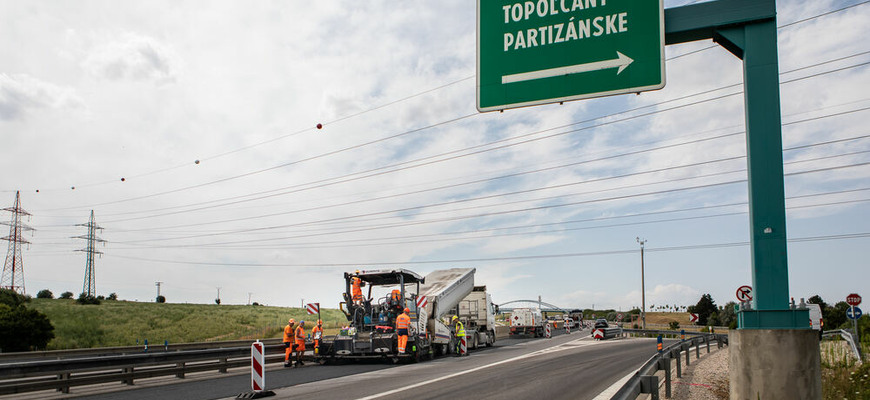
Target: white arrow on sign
[621,61]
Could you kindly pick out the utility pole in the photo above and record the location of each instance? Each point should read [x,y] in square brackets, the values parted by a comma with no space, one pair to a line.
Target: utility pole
[158,283]
[89,287]
[219,295]
[249,298]
[642,286]
[13,269]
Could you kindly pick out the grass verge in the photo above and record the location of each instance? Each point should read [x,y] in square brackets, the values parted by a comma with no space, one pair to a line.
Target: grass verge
[127,323]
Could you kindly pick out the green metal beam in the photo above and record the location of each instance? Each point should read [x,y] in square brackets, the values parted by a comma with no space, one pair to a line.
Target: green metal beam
[700,21]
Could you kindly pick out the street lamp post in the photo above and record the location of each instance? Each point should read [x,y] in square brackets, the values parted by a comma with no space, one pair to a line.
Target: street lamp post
[642,286]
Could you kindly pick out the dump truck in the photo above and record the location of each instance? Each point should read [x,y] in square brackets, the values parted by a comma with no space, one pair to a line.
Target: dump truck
[477,313]
[527,321]
[440,294]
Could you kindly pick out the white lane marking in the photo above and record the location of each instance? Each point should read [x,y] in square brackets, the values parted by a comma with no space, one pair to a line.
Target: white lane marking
[548,350]
[610,391]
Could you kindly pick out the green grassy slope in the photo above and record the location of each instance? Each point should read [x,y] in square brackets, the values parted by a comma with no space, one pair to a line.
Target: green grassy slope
[121,323]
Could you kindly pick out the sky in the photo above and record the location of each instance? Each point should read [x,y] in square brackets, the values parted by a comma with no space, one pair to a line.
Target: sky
[190,129]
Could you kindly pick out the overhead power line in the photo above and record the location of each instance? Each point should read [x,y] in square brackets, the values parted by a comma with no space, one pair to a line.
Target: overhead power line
[434,159]
[847,236]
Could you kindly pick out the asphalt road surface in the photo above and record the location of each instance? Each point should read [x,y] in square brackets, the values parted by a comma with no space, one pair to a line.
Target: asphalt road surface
[565,367]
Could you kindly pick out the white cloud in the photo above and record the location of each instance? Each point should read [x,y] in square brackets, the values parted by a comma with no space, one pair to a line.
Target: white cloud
[22,93]
[134,57]
[673,293]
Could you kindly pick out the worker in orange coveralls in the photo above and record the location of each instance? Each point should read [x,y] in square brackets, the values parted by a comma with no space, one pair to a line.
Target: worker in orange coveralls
[356,289]
[316,333]
[403,323]
[288,341]
[300,343]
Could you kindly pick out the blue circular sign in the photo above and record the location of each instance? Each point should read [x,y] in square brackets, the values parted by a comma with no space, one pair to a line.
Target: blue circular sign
[853,314]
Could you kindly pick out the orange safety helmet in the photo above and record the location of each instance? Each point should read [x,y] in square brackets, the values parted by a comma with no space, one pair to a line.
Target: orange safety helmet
[319,322]
[407,310]
[291,321]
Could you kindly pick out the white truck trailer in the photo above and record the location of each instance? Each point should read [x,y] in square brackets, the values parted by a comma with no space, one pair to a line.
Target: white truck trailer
[527,321]
[477,313]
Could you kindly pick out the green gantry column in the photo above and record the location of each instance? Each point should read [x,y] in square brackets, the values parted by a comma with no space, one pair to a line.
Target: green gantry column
[747,28]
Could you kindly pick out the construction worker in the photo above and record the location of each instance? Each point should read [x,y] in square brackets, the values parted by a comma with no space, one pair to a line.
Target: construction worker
[356,285]
[300,343]
[403,323]
[460,334]
[316,333]
[395,302]
[288,341]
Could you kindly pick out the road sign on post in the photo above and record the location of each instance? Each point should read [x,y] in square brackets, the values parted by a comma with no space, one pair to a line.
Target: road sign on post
[548,51]
[744,293]
[853,299]
[693,317]
[853,312]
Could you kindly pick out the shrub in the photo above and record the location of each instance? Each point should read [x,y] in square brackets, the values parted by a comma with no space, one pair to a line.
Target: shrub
[112,296]
[66,295]
[11,298]
[674,325]
[217,301]
[85,299]
[45,294]
[160,299]
[23,329]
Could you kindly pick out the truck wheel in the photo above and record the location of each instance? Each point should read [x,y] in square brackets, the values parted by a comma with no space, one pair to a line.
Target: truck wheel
[474,345]
[490,339]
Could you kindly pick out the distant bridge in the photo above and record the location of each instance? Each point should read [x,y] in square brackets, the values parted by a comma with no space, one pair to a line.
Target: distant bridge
[544,306]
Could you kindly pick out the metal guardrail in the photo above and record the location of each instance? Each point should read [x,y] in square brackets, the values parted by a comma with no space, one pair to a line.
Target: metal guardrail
[28,376]
[645,380]
[104,351]
[847,335]
[61,369]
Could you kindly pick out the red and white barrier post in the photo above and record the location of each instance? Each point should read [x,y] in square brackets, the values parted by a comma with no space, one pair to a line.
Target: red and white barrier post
[258,371]
[547,332]
[567,328]
[463,346]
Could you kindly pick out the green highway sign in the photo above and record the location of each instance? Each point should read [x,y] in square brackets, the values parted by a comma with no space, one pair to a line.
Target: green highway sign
[548,51]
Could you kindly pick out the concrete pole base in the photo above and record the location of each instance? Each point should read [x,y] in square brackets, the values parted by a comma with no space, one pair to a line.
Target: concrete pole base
[774,364]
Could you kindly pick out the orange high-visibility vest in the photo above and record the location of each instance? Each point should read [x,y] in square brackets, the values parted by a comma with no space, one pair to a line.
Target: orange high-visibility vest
[288,333]
[403,321]
[356,289]
[316,332]
[300,335]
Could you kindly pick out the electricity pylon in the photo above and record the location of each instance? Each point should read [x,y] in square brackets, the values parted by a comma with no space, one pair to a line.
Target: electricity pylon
[89,287]
[13,269]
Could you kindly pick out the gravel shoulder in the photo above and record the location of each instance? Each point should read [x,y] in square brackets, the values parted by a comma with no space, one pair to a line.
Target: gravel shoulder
[704,379]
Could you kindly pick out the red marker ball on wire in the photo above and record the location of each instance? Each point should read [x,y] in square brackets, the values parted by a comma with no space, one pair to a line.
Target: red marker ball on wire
[319,126]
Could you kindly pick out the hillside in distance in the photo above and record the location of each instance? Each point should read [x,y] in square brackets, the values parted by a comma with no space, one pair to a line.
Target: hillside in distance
[128,323]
